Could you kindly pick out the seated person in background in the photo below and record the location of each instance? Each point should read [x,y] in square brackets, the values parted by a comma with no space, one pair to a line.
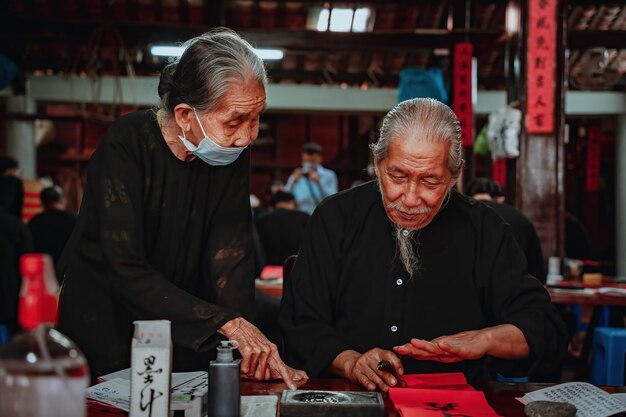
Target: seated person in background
[282,228]
[408,270]
[52,228]
[15,240]
[11,186]
[489,192]
[311,183]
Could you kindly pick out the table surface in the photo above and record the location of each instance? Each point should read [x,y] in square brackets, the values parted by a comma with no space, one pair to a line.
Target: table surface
[565,295]
[501,396]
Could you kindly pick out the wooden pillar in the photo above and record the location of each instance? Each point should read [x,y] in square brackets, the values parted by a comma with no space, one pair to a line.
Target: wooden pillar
[540,167]
[463,77]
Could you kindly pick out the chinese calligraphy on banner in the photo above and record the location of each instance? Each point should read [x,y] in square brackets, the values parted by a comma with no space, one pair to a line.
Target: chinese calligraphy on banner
[541,66]
[462,99]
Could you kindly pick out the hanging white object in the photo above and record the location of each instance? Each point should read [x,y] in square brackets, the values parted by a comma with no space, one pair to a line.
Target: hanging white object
[503,133]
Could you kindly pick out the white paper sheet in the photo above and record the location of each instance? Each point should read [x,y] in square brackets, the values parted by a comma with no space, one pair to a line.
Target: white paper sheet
[115,392]
[590,400]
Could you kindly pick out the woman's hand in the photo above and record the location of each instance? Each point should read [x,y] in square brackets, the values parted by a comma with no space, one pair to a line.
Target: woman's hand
[261,360]
[362,368]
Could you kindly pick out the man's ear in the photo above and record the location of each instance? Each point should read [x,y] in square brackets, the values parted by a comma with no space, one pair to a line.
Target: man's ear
[183,113]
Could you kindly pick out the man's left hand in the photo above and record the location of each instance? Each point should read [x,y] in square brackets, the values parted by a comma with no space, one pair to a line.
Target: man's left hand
[504,341]
[462,346]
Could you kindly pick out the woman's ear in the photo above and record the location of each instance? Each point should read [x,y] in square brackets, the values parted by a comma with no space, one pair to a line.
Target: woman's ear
[183,113]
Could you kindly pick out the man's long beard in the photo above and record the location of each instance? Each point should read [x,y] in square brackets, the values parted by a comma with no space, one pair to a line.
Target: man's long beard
[405,251]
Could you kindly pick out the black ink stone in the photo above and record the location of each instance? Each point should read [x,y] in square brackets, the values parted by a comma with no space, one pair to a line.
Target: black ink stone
[331,404]
[549,409]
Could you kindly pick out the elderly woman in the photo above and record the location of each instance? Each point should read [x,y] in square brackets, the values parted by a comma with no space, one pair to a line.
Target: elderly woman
[164,230]
[405,274]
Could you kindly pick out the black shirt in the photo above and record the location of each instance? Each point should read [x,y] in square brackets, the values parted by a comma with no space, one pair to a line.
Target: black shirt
[281,231]
[15,240]
[51,230]
[348,290]
[525,235]
[156,238]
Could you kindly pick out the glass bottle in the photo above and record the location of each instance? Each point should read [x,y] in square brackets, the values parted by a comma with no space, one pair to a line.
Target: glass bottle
[42,372]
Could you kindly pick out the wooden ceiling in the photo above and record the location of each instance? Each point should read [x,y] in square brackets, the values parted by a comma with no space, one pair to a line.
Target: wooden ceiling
[96,37]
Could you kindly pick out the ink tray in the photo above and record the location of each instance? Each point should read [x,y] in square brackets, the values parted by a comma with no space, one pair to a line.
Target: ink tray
[300,403]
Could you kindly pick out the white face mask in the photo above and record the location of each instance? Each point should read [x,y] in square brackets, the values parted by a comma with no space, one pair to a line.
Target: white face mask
[209,151]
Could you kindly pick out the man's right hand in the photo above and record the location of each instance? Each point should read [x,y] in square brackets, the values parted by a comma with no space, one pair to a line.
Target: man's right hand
[362,368]
[296,174]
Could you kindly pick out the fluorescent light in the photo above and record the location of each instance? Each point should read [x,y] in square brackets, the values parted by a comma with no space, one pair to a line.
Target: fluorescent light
[176,51]
[164,50]
[269,54]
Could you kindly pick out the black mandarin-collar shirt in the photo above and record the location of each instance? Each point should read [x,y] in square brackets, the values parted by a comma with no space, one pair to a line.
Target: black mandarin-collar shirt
[156,238]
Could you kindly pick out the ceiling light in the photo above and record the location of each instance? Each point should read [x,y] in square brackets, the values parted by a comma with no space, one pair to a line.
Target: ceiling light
[361,19]
[341,20]
[512,23]
[266,54]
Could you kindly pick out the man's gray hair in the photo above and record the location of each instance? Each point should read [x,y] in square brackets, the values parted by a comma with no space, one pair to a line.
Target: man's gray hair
[204,72]
[425,119]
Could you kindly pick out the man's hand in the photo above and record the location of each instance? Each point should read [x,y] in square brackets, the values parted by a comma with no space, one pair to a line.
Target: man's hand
[459,347]
[314,176]
[296,174]
[363,369]
[504,341]
[261,360]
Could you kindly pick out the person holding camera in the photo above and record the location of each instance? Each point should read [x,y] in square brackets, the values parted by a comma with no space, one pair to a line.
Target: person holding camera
[311,182]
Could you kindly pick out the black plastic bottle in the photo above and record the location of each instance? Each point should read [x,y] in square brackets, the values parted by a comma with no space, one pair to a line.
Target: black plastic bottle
[224,394]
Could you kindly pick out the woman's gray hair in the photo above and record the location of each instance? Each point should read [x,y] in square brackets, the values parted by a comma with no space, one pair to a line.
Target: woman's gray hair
[426,119]
[202,75]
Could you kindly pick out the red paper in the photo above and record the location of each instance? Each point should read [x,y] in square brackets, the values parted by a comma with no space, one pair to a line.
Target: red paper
[437,403]
[462,90]
[541,66]
[421,380]
[272,272]
[498,171]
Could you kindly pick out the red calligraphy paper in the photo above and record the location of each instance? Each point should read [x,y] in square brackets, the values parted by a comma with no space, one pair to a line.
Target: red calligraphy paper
[411,402]
[541,66]
[449,378]
[462,87]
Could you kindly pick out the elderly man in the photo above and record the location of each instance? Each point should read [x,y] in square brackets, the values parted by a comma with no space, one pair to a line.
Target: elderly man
[409,271]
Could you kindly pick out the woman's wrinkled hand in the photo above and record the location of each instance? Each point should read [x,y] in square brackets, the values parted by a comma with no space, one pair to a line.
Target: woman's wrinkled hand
[260,357]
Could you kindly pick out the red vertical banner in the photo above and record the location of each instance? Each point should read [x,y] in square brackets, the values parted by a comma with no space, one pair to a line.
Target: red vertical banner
[498,171]
[541,66]
[592,169]
[462,97]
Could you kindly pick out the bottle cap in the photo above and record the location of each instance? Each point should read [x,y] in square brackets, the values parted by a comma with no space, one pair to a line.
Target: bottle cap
[38,302]
[225,351]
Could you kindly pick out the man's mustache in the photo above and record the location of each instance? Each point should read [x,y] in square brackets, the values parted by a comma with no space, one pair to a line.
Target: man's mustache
[417,210]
